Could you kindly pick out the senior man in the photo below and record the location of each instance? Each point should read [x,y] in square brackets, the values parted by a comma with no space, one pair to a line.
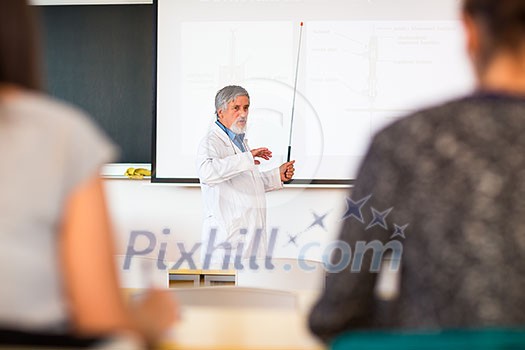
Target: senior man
[232,186]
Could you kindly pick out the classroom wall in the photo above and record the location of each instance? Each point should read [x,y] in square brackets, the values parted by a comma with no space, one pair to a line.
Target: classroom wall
[138,205]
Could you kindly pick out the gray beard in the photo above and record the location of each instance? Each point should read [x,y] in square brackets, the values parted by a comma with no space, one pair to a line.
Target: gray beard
[237,129]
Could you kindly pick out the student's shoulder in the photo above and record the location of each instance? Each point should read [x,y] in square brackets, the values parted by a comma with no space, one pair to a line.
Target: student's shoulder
[424,122]
[50,111]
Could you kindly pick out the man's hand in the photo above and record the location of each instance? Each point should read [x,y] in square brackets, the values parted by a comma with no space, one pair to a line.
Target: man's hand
[262,152]
[287,171]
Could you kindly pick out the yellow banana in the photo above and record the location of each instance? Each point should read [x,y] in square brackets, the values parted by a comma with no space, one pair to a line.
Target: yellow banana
[142,171]
[137,174]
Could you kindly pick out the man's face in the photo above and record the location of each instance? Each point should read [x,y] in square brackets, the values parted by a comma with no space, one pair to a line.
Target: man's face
[236,114]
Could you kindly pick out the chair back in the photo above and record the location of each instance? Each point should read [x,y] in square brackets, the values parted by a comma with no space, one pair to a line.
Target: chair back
[452,339]
[235,297]
[287,274]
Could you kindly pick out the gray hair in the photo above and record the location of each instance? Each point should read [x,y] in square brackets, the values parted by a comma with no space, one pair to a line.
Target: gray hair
[228,94]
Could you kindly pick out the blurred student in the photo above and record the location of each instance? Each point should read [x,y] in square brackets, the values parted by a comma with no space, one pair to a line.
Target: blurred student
[455,174]
[57,270]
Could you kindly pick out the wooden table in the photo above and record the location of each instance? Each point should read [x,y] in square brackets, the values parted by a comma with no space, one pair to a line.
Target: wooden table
[204,328]
[253,328]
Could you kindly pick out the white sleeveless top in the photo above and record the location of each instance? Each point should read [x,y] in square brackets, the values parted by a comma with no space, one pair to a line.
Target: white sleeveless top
[47,148]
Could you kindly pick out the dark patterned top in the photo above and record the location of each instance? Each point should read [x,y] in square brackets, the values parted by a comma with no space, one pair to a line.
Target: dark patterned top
[456,175]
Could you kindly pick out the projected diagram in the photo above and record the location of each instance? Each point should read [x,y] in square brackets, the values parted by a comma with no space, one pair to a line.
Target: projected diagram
[376,71]
[232,71]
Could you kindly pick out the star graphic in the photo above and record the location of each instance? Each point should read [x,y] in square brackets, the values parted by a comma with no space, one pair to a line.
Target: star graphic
[354,208]
[292,240]
[399,231]
[318,220]
[379,218]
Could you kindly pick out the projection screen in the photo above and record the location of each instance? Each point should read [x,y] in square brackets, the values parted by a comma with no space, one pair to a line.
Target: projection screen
[362,65]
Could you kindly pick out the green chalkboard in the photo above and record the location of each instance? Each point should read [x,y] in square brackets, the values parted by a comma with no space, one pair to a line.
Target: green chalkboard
[101,58]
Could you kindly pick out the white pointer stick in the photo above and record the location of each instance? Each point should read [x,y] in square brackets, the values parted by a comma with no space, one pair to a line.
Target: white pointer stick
[294,91]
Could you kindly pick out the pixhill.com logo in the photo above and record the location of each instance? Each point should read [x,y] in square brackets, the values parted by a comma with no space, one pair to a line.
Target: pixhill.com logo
[236,256]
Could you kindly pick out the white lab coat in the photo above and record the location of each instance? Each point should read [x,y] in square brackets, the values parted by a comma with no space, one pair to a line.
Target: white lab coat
[233,192]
